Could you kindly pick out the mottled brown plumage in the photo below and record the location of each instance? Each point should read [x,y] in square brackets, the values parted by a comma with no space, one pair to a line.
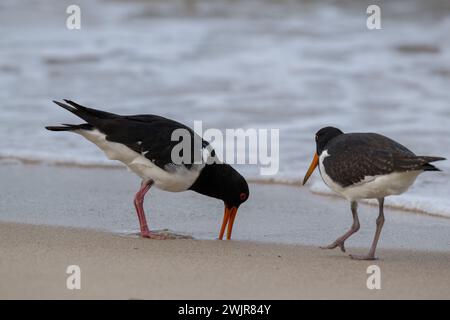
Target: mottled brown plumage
[354,156]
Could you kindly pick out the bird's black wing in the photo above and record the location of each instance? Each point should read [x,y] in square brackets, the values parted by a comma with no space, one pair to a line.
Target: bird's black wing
[356,156]
[149,135]
[152,136]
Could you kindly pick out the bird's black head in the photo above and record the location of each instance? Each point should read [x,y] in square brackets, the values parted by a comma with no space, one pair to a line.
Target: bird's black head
[223,182]
[323,136]
[236,190]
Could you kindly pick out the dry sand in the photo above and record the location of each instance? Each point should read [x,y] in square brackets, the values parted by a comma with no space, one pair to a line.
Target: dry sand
[34,261]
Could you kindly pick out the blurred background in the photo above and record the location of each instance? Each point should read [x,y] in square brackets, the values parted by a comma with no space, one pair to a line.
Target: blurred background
[290,65]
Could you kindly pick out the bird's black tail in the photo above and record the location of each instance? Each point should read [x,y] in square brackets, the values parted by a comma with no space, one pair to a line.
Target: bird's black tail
[91,116]
[85,113]
[70,127]
[429,167]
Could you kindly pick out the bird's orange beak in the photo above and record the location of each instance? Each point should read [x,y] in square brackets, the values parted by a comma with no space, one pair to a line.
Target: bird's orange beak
[228,219]
[312,166]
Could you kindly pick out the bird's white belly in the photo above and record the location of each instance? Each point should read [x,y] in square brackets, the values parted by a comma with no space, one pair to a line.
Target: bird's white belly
[179,179]
[372,187]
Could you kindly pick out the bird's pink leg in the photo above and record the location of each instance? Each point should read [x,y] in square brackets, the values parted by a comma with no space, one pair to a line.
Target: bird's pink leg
[340,242]
[380,222]
[139,205]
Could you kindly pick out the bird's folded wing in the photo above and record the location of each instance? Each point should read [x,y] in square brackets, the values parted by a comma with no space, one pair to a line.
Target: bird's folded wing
[151,136]
[349,167]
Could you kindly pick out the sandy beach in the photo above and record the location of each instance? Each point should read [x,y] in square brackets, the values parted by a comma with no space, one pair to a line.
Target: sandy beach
[257,80]
[274,253]
[34,261]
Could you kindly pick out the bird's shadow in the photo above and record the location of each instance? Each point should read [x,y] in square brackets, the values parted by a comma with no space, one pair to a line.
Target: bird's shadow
[169,235]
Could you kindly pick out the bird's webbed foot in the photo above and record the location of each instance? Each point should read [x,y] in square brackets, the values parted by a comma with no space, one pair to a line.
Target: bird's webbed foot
[337,243]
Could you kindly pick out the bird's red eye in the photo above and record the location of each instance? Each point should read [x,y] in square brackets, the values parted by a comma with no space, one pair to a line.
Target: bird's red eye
[243,196]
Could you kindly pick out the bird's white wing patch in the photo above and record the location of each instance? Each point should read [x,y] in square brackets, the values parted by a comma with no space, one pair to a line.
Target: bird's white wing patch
[113,150]
[176,180]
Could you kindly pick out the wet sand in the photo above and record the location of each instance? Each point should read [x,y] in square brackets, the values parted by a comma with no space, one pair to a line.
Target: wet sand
[102,199]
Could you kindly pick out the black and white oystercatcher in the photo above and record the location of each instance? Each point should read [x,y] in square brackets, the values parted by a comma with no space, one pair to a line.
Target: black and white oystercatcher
[144,144]
[365,166]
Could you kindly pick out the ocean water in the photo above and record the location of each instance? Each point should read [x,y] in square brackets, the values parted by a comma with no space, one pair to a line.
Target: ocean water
[295,66]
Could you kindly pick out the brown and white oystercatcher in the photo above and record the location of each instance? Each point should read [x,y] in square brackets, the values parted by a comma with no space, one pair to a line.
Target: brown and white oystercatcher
[365,166]
[144,144]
